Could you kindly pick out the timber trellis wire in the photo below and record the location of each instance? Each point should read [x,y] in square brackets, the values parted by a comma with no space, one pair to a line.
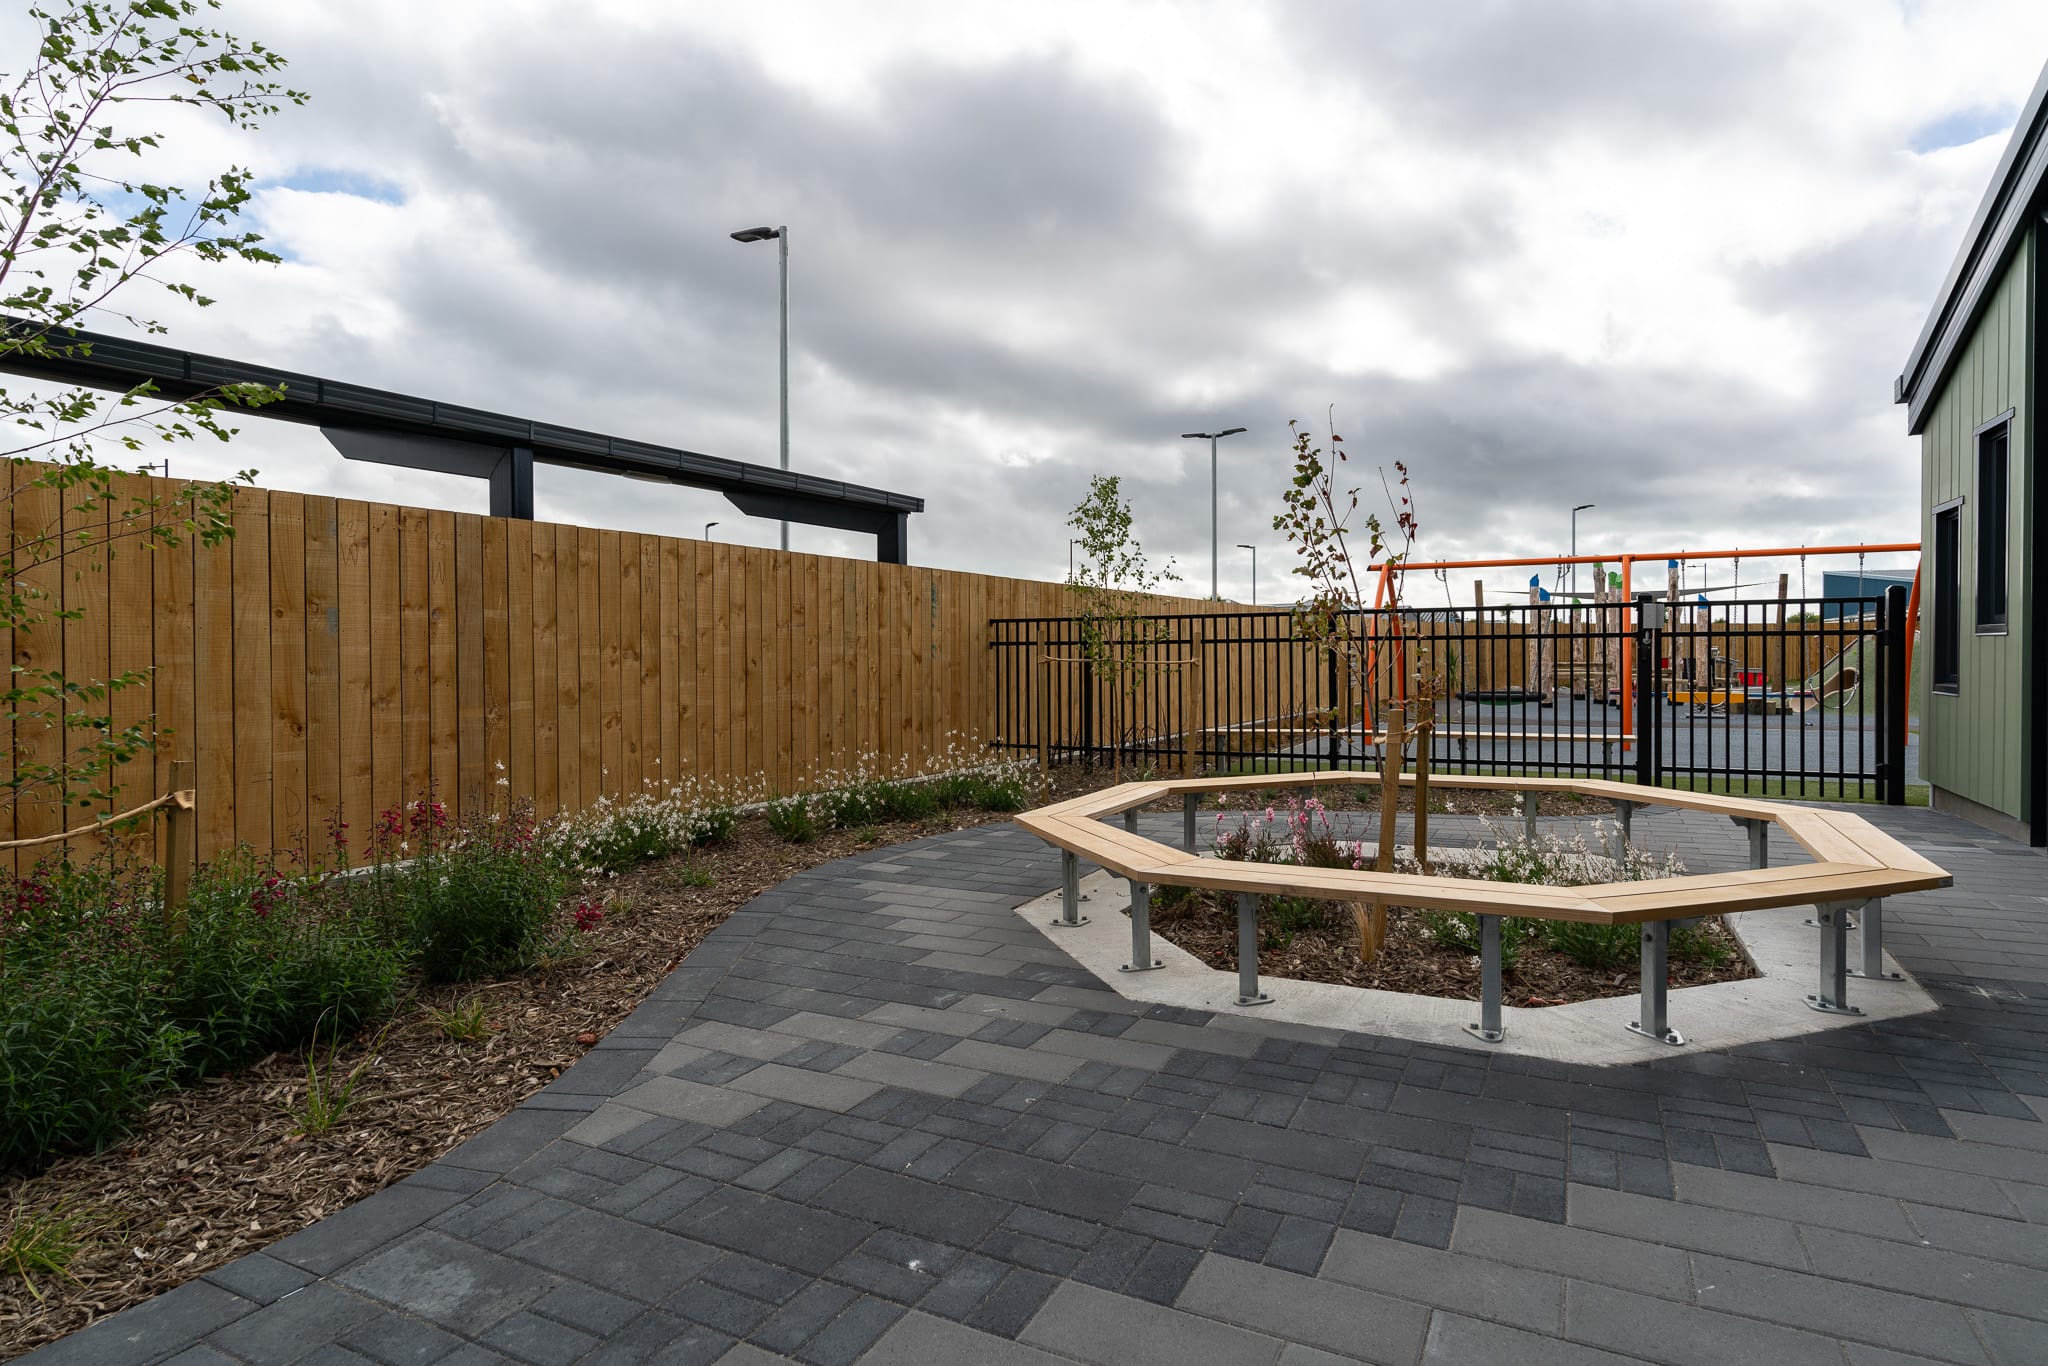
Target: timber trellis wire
[1777,696]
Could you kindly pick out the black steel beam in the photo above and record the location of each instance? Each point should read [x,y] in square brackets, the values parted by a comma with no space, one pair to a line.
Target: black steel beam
[421,433]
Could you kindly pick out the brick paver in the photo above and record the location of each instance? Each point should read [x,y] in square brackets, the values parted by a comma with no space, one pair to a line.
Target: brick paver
[875,1118]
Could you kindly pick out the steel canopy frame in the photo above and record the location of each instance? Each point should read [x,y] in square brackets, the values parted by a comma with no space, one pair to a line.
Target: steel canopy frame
[418,433]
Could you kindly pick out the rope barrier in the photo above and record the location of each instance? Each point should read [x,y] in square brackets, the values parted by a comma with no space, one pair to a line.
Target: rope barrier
[183,800]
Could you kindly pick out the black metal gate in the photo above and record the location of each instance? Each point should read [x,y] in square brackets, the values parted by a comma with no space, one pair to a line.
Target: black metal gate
[1800,697]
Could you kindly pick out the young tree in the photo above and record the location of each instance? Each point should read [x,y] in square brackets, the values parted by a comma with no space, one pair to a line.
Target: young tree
[1111,582]
[82,224]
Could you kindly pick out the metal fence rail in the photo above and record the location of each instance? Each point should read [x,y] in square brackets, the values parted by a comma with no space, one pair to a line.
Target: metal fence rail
[1801,697]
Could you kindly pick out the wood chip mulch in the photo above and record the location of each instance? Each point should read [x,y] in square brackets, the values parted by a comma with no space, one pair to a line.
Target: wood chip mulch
[220,1170]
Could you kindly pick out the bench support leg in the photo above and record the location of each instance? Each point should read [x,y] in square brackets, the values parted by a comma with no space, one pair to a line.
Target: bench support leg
[1141,930]
[1188,802]
[1759,840]
[1871,922]
[1248,993]
[1656,951]
[1833,996]
[1529,815]
[1131,820]
[1070,891]
[1489,1027]
[1625,817]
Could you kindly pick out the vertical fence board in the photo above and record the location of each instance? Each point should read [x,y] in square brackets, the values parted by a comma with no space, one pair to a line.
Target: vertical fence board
[387,673]
[627,702]
[519,652]
[288,672]
[546,689]
[320,525]
[444,731]
[497,652]
[252,668]
[358,751]
[650,638]
[171,653]
[415,738]
[471,769]
[589,698]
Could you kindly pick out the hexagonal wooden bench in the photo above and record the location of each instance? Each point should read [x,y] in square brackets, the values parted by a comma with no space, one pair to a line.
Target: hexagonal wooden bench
[1855,866]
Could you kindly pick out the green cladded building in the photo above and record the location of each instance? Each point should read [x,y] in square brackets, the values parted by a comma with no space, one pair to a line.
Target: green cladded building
[1975,395]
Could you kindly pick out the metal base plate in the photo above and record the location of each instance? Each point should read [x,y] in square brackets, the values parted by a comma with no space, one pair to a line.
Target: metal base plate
[1126,967]
[1486,1035]
[1881,977]
[1067,924]
[1827,1007]
[1262,999]
[1669,1036]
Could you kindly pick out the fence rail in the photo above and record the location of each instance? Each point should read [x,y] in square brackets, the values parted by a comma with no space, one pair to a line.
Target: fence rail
[1800,697]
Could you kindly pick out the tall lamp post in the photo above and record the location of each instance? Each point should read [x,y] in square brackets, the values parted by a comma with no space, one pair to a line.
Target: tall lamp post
[1255,570]
[1575,544]
[1211,438]
[707,529]
[781,238]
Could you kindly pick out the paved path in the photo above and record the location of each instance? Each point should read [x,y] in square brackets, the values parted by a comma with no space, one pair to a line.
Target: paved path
[875,1118]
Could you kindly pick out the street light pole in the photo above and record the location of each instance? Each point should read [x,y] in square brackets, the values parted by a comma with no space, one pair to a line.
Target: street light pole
[707,529]
[1211,438]
[1575,543]
[1070,559]
[1255,570]
[781,237]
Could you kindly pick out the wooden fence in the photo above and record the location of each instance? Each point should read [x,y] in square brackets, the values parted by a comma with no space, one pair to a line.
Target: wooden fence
[336,658]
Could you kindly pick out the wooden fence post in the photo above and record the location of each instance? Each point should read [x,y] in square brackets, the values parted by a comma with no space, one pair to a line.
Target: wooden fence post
[179,827]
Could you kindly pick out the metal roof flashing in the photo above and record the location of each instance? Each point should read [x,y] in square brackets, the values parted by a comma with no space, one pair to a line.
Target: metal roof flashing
[1994,232]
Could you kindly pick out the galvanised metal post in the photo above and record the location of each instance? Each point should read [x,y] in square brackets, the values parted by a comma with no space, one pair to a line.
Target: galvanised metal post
[1833,996]
[1654,1023]
[1895,700]
[1649,616]
[1870,921]
[1489,1028]
[1188,802]
[1248,993]
[1255,570]
[1141,930]
[1070,890]
[1575,545]
[1215,536]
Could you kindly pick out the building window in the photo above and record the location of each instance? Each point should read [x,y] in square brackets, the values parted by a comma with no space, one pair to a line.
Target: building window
[1992,482]
[1948,640]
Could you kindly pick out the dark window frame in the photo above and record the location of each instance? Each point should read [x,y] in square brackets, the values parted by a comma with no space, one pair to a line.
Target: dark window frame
[1944,674]
[1992,527]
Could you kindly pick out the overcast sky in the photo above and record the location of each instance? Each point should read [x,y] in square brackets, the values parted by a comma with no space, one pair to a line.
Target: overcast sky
[1664,258]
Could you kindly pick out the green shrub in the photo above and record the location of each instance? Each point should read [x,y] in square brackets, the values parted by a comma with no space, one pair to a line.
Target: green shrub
[910,801]
[263,958]
[1004,792]
[1602,948]
[1692,944]
[85,1036]
[474,901]
[791,819]
[715,825]
[1458,932]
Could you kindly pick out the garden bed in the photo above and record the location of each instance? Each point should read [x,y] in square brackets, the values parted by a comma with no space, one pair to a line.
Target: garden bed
[1436,953]
[224,1167]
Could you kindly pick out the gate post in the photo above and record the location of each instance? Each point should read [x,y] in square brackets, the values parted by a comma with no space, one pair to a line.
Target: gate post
[1895,700]
[1336,708]
[1649,617]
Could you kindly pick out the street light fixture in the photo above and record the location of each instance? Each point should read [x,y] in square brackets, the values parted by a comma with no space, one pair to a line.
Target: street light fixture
[1575,543]
[1070,559]
[1255,570]
[1211,438]
[707,529]
[780,236]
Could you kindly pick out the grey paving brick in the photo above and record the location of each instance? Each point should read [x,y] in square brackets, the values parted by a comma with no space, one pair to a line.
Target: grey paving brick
[716,1106]
[923,1340]
[1010,1062]
[821,1090]
[912,1074]
[1824,1208]
[1447,1280]
[1902,1180]
[1835,1309]
[1455,1340]
[533,1338]
[1009,1306]
[926,1019]
[460,1287]
[1729,1233]
[1093,1196]
[1930,1271]
[621,1254]
[1682,1334]
[2004,1240]
[1198,1038]
[780,1231]
[1601,1257]
[259,1277]
[1120,1051]
[1319,1313]
[1095,1326]
[886,1199]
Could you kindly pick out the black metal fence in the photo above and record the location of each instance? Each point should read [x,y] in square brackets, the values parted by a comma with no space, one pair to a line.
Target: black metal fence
[1804,697]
